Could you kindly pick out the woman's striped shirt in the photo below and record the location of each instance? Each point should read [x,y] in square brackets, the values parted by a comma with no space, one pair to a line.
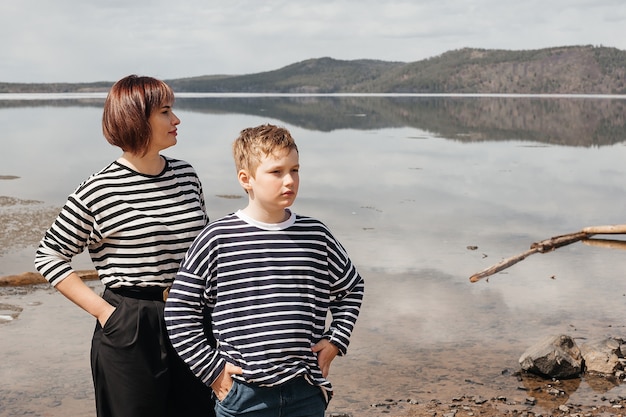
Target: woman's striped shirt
[137,227]
[270,288]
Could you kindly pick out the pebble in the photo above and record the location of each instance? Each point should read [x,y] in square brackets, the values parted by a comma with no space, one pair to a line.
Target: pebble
[470,406]
[5,317]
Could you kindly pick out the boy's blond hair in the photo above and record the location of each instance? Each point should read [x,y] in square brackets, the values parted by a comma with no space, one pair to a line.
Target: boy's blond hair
[254,143]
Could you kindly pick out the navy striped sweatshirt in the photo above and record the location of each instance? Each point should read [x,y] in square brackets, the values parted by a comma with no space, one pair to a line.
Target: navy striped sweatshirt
[137,227]
[269,287]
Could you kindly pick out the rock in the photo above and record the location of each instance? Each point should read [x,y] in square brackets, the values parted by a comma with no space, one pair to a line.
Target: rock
[32,278]
[554,357]
[9,312]
[602,357]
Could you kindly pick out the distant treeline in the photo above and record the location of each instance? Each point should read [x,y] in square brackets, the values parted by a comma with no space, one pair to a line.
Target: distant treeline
[559,70]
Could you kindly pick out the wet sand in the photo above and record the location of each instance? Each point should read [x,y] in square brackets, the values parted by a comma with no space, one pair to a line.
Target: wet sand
[45,355]
[45,367]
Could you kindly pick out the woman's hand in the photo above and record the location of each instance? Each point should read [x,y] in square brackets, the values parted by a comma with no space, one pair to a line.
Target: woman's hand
[83,296]
[105,314]
[326,352]
[222,385]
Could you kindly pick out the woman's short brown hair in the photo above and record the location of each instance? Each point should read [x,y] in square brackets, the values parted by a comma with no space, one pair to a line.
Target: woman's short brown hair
[128,107]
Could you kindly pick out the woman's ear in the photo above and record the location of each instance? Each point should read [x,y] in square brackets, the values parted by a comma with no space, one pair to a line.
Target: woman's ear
[244,179]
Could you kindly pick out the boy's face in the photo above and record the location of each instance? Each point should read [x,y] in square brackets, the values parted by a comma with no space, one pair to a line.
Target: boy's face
[276,180]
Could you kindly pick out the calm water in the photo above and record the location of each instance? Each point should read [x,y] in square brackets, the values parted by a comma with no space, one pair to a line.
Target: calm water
[407,185]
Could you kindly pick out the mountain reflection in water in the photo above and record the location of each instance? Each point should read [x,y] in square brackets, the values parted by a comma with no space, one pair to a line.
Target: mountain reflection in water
[578,121]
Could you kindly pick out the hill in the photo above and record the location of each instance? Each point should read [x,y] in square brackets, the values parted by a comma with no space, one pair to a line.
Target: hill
[322,75]
[564,70]
[560,70]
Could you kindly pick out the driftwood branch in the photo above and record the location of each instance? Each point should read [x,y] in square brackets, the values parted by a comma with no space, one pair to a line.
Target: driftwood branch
[33,278]
[549,245]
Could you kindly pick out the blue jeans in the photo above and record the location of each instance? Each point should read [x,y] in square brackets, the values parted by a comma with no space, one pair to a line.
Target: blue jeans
[296,398]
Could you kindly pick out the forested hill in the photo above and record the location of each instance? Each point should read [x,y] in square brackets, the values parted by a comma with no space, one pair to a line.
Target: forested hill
[558,70]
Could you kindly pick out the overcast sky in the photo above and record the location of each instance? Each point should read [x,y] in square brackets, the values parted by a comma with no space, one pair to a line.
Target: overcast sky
[104,40]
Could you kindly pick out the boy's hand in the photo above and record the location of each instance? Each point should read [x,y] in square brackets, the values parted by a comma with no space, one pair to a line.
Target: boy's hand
[224,382]
[326,352]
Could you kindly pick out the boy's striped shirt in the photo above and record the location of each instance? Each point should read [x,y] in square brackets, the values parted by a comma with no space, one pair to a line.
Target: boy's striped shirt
[269,288]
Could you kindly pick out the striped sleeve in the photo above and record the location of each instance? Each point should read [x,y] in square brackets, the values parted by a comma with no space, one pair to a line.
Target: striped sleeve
[347,293]
[184,312]
[67,237]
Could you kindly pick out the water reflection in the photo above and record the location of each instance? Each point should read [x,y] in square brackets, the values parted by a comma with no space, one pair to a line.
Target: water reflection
[548,394]
[558,121]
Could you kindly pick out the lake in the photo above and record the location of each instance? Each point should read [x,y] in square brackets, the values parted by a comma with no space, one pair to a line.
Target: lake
[422,191]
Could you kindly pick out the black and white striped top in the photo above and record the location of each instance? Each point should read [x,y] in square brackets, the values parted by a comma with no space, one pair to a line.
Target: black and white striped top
[270,287]
[137,227]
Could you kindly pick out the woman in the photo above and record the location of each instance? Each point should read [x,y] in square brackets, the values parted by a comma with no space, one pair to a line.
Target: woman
[137,217]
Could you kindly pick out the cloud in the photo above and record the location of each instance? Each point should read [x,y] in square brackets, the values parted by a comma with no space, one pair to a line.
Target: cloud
[72,41]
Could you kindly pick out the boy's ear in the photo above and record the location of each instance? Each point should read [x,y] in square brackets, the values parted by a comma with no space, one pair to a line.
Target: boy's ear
[244,179]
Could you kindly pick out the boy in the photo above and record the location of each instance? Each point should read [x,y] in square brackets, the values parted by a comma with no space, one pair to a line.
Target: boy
[269,277]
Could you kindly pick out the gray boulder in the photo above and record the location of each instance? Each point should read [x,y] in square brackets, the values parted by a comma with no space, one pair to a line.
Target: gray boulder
[602,357]
[555,357]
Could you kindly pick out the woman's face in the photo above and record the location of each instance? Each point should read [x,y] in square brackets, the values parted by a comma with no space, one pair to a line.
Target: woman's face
[163,124]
